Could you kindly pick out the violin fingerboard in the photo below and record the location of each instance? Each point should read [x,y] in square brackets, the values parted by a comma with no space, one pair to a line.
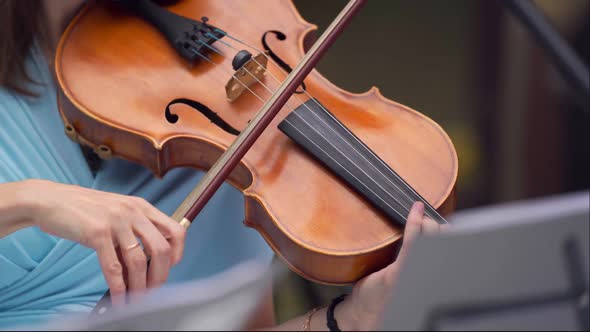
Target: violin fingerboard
[317,131]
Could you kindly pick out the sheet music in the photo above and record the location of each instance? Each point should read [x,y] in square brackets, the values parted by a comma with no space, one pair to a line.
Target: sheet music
[515,266]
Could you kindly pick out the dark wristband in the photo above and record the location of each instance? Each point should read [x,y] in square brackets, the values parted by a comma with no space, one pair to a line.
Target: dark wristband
[332,323]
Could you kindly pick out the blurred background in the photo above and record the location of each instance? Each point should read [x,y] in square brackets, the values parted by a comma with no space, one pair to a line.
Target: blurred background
[472,67]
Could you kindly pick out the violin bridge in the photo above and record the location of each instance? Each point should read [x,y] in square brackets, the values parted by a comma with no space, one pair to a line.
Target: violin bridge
[250,73]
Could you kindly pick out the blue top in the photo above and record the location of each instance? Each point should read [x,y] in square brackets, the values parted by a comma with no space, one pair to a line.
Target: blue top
[43,276]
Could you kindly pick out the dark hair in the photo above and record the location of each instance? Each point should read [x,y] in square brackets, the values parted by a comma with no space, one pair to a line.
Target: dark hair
[22,21]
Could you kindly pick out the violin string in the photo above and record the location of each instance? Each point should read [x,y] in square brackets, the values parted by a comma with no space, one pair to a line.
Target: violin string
[318,132]
[336,148]
[344,168]
[214,49]
[409,199]
[271,91]
[346,141]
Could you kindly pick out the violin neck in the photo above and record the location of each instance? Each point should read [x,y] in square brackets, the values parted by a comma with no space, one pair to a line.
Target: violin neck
[322,135]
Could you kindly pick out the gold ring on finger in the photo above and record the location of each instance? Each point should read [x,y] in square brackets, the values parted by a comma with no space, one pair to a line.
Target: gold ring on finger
[133,246]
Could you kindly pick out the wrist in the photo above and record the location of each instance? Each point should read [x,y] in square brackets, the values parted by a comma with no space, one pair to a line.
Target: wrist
[16,206]
[31,197]
[346,316]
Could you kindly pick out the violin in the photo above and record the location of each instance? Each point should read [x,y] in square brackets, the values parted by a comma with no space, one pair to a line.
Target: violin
[328,179]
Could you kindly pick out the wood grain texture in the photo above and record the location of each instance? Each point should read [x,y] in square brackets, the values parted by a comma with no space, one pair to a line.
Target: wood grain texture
[118,74]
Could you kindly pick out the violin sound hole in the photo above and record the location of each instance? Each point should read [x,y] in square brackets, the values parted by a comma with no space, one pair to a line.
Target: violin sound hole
[280,36]
[201,108]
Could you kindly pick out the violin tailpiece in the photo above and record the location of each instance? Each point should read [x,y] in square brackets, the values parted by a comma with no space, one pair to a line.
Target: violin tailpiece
[192,39]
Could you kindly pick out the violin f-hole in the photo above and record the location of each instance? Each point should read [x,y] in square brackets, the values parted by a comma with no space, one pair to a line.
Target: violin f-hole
[280,36]
[201,108]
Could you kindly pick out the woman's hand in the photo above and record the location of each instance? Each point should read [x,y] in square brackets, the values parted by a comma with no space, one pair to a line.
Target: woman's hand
[110,224]
[363,309]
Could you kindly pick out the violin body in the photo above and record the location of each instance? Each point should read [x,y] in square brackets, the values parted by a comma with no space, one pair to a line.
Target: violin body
[118,74]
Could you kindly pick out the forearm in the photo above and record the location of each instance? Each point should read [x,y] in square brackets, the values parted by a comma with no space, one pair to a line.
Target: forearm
[13,208]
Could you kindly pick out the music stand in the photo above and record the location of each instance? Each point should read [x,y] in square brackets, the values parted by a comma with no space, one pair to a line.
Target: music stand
[222,302]
[519,266]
